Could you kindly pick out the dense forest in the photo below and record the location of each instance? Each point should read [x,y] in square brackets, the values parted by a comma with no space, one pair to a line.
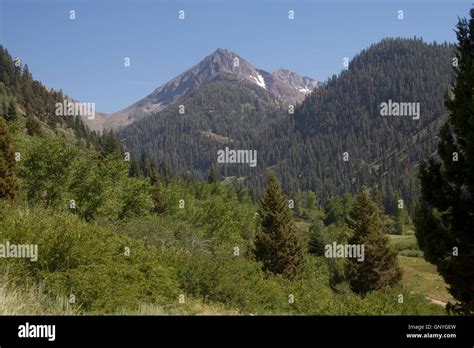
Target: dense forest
[307,148]
[344,116]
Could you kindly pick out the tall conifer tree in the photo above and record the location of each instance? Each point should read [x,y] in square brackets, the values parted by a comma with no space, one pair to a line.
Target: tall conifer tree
[445,216]
[277,245]
[379,267]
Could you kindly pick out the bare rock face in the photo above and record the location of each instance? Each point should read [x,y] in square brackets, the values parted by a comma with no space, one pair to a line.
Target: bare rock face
[302,84]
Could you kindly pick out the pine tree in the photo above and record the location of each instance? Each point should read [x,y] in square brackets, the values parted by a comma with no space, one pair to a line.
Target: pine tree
[135,170]
[165,172]
[8,183]
[11,113]
[154,176]
[147,165]
[33,126]
[160,204]
[277,245]
[311,200]
[111,145]
[444,219]
[212,176]
[379,267]
[400,218]
[317,238]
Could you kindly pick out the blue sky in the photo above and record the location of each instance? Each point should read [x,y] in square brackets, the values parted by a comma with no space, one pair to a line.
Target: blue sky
[85,57]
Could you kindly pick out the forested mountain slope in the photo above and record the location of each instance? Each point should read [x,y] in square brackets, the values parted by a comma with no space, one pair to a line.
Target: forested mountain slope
[307,148]
[345,116]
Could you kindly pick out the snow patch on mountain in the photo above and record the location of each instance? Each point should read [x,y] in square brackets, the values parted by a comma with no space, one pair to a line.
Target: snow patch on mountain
[283,84]
[305,90]
[259,80]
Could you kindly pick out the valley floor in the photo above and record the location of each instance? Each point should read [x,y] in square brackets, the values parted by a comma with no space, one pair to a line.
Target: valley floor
[421,277]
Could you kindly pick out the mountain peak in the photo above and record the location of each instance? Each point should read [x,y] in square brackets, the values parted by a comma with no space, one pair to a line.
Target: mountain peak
[223,51]
[303,84]
[282,71]
[219,65]
[221,56]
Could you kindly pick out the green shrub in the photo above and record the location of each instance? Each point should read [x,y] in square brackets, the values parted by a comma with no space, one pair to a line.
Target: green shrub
[87,261]
[55,173]
[216,214]
[240,283]
[387,302]
[234,281]
[403,242]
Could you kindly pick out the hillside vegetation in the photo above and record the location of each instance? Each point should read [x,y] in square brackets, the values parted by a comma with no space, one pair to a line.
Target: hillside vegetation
[129,237]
